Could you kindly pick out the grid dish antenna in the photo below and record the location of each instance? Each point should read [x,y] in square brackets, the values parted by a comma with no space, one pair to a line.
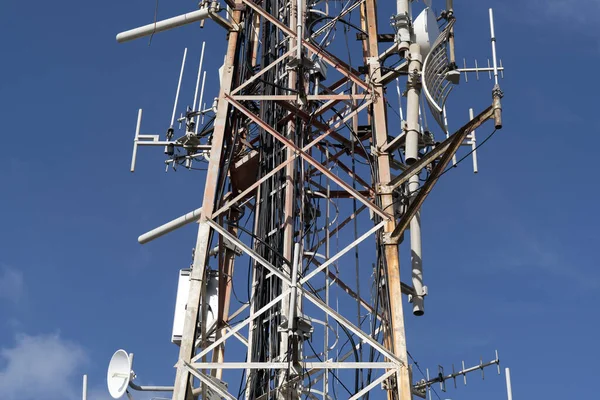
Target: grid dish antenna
[119,374]
[437,78]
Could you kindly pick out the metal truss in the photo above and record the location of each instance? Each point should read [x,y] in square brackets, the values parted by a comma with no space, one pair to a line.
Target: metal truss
[316,114]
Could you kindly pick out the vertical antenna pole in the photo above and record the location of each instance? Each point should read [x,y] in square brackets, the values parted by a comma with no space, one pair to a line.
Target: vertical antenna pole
[447,132]
[399,102]
[416,252]
[200,106]
[135,140]
[473,144]
[495,61]
[84,392]
[294,294]
[178,87]
[198,78]
[413,104]
[508,384]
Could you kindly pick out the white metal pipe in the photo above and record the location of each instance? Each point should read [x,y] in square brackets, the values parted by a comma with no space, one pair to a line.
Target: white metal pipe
[403,8]
[150,388]
[445,115]
[177,223]
[508,384]
[299,25]
[416,253]
[84,392]
[200,102]
[135,141]
[495,61]
[413,131]
[163,25]
[473,144]
[198,77]
[178,87]
[399,102]
[294,285]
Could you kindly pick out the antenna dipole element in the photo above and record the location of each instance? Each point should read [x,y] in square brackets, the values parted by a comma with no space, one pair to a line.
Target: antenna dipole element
[508,384]
[198,78]
[84,391]
[495,61]
[178,87]
[135,141]
[163,25]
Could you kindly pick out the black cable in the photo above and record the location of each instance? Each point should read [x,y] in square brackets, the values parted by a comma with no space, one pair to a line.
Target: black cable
[469,153]
[421,371]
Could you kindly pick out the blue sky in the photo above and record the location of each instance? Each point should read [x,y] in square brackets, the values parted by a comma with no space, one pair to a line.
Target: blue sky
[509,254]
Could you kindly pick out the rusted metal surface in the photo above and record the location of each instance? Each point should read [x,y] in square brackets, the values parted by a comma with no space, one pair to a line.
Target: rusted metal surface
[438,170]
[182,388]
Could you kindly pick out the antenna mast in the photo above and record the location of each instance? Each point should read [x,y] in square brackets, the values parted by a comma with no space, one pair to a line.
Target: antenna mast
[302,145]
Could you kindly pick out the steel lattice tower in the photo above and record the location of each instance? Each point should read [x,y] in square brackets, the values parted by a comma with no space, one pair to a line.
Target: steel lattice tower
[297,127]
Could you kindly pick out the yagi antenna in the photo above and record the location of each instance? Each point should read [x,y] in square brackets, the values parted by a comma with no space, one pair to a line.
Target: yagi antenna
[441,378]
[494,67]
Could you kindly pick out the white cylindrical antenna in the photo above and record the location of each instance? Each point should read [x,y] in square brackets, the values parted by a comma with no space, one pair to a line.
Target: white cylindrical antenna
[135,140]
[421,120]
[84,390]
[299,32]
[200,104]
[177,223]
[178,87]
[424,113]
[198,78]
[495,61]
[447,131]
[416,252]
[508,384]
[399,100]
[473,143]
[428,387]
[163,25]
[297,263]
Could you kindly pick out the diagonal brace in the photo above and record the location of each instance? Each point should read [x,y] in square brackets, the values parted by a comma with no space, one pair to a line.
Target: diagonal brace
[453,146]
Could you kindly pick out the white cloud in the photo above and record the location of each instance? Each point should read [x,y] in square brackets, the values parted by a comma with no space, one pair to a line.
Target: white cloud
[41,367]
[11,284]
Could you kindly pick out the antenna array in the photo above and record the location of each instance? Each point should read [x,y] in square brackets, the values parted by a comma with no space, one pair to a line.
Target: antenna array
[300,142]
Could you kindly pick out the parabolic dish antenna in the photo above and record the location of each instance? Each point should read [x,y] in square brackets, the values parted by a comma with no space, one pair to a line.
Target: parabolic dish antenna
[426,30]
[119,374]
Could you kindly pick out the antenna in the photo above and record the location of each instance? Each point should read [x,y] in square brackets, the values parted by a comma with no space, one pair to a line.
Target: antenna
[508,384]
[118,374]
[492,67]
[200,103]
[285,128]
[178,87]
[493,34]
[198,78]
[472,140]
[441,378]
[167,24]
[84,389]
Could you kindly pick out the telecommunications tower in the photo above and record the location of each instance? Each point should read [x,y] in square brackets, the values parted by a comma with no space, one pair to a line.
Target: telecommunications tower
[317,145]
